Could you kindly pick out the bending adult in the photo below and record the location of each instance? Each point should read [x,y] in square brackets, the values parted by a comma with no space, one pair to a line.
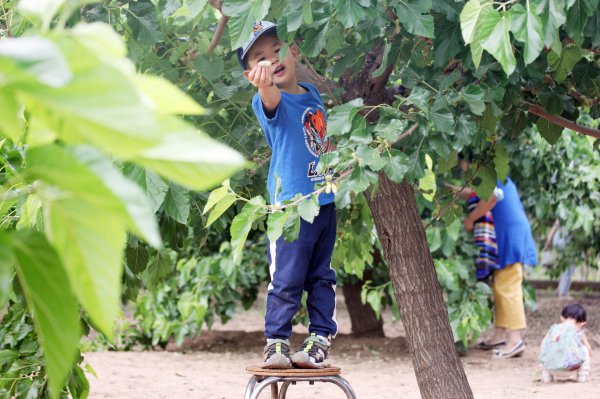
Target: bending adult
[516,248]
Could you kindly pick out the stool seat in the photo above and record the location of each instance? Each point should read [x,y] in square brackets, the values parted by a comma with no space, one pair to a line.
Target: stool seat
[261,378]
[325,371]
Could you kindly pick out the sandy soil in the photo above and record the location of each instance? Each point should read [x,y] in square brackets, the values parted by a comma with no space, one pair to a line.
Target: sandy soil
[213,365]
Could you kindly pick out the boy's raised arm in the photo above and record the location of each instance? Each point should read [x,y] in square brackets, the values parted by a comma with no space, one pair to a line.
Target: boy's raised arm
[261,78]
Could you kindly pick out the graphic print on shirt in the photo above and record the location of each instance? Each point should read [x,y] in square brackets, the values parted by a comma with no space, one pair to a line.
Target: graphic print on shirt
[315,131]
[316,140]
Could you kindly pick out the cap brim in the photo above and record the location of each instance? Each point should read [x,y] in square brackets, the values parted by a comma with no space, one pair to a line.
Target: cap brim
[242,54]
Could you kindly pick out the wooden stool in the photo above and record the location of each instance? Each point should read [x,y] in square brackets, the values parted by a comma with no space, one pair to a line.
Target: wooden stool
[261,378]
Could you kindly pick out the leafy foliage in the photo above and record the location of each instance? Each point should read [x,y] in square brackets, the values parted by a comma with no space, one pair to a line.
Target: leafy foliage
[76,110]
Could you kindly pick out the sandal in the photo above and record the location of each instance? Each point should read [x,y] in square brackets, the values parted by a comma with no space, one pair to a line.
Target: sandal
[486,347]
[517,351]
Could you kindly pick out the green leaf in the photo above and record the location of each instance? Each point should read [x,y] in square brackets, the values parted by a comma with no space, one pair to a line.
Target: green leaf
[447,41]
[242,223]
[216,195]
[397,166]
[527,28]
[549,130]
[474,30]
[360,179]
[168,99]
[443,120]
[193,160]
[33,59]
[142,220]
[498,41]
[349,12]
[211,68]
[553,16]
[7,356]
[427,183]
[415,18]
[563,65]
[340,118]
[390,130]
[577,18]
[473,95]
[501,162]
[360,133]
[31,214]
[487,181]
[592,29]
[374,300]
[291,226]
[309,208]
[50,299]
[161,264]
[275,224]
[177,203]
[91,248]
[11,120]
[6,275]
[137,258]
[224,203]
[242,16]
[314,41]
[152,184]
[371,157]
[419,97]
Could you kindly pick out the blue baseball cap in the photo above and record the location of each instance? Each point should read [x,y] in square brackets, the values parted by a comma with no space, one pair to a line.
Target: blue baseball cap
[259,29]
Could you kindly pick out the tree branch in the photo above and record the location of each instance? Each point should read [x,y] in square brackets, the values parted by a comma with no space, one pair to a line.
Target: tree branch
[560,121]
[306,73]
[218,34]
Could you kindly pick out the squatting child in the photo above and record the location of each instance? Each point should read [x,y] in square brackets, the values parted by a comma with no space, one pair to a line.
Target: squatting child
[565,349]
[294,120]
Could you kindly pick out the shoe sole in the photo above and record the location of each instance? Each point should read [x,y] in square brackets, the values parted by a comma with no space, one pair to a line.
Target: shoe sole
[516,352]
[302,361]
[277,362]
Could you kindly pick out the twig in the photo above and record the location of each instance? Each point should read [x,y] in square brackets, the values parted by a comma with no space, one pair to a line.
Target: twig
[218,34]
[342,175]
[560,121]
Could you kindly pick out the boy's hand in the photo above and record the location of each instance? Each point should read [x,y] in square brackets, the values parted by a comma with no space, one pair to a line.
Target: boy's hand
[259,76]
[468,224]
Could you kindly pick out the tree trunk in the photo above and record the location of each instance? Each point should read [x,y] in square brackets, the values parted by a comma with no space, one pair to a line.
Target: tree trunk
[439,372]
[362,317]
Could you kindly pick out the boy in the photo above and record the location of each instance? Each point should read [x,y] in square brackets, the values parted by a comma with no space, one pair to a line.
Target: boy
[294,120]
[565,349]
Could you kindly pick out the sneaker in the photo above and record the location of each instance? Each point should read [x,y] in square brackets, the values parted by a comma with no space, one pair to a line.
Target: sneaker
[547,377]
[277,354]
[583,376]
[312,353]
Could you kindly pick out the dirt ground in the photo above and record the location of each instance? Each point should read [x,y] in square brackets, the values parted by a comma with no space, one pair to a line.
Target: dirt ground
[213,365]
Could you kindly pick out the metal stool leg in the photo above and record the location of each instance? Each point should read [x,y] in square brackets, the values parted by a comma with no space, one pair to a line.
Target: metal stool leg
[284,388]
[250,387]
[342,383]
[262,385]
[274,391]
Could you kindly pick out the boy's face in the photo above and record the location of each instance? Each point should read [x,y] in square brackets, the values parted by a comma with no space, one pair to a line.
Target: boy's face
[267,48]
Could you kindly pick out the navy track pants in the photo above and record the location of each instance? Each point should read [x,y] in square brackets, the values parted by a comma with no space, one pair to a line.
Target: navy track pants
[303,265]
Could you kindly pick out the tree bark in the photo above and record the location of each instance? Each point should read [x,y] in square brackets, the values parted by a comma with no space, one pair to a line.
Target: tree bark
[363,319]
[439,372]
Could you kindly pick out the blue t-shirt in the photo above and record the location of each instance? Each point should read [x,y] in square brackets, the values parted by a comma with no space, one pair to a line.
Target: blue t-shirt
[297,135]
[513,233]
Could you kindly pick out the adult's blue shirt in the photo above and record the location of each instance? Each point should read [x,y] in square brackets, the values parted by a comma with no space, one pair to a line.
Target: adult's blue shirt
[297,135]
[513,233]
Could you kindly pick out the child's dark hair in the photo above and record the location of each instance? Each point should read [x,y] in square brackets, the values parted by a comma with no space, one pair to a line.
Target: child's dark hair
[574,311]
